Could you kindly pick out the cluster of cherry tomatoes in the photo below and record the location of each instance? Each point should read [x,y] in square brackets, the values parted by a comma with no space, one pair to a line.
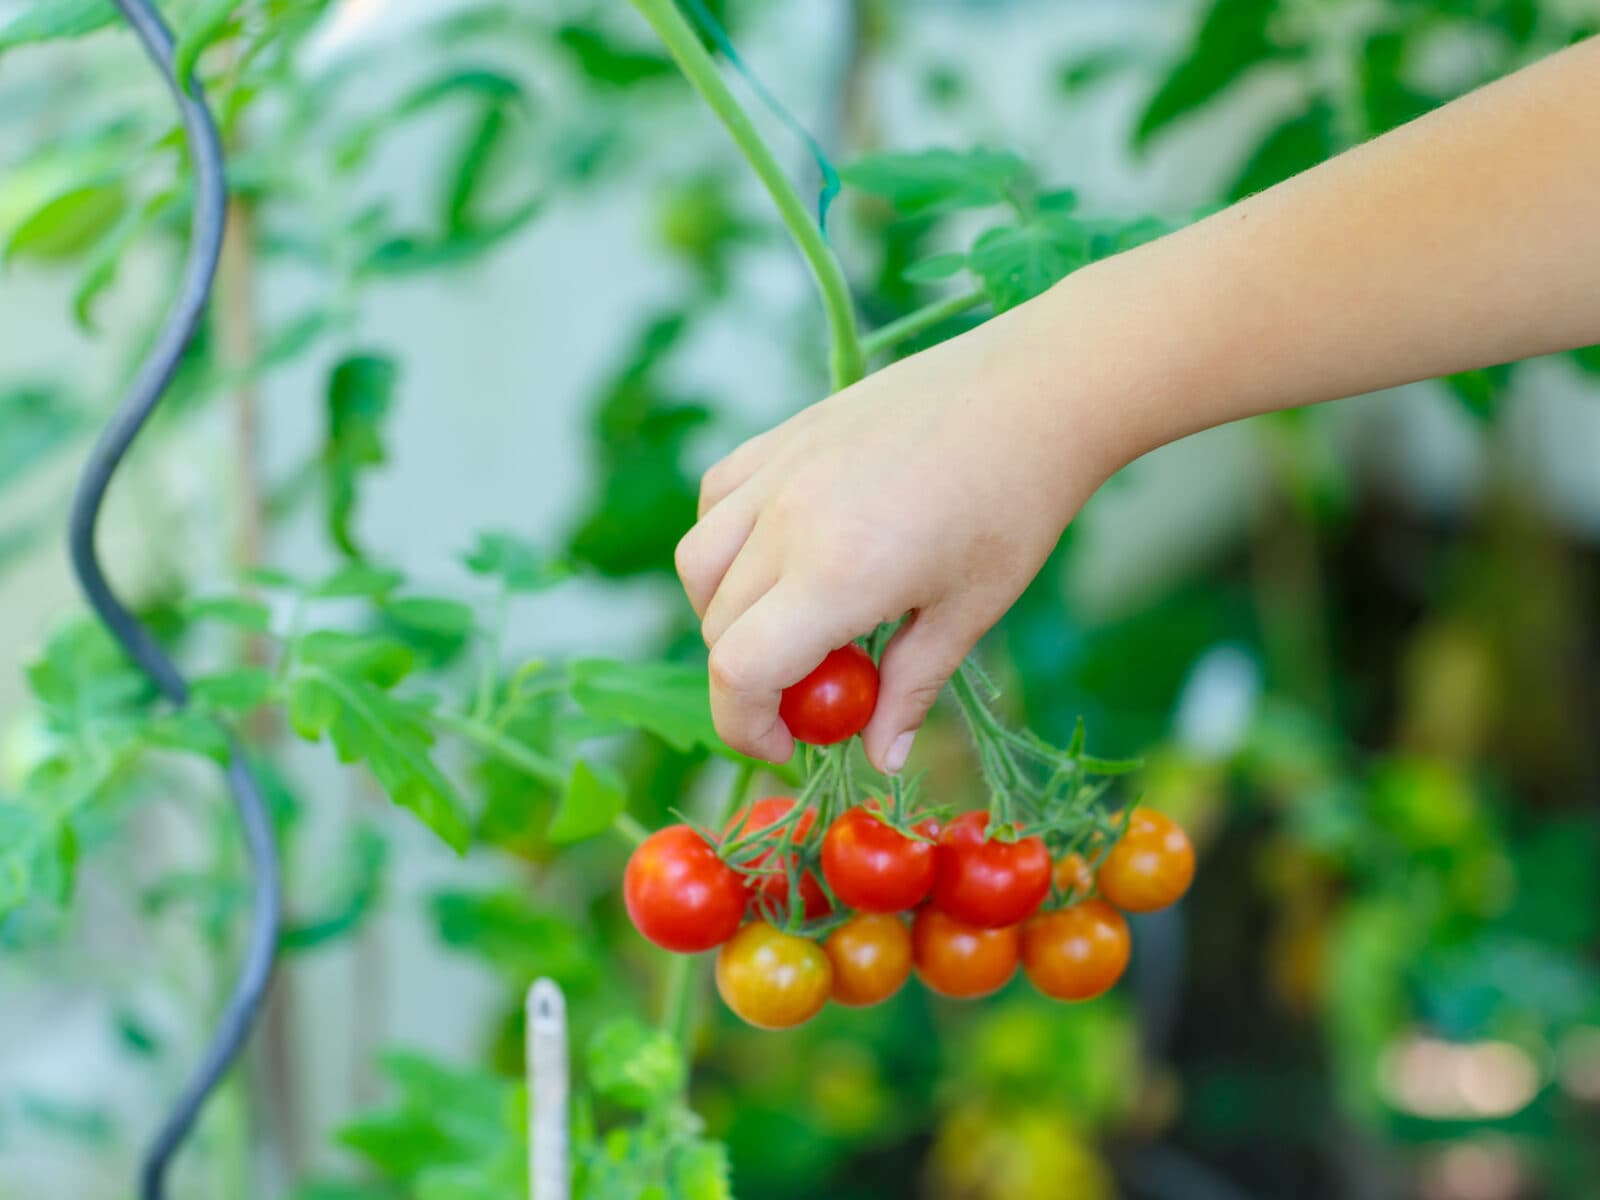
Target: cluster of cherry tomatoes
[978,906]
[800,914]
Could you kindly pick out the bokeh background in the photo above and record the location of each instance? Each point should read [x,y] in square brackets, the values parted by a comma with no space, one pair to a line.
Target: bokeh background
[1356,646]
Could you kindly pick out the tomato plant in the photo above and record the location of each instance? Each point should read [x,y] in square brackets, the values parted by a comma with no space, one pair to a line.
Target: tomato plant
[776,820]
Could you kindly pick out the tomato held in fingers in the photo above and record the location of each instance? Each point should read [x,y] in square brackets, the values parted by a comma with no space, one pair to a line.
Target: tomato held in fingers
[835,701]
[987,882]
[962,961]
[1077,952]
[1151,867]
[871,957]
[772,880]
[772,979]
[680,895]
[873,867]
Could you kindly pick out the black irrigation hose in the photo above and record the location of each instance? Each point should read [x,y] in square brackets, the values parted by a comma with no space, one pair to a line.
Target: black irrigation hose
[144,393]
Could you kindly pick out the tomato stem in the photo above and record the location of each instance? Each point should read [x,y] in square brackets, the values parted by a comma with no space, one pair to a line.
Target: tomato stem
[627,825]
[887,337]
[677,1013]
[502,746]
[700,69]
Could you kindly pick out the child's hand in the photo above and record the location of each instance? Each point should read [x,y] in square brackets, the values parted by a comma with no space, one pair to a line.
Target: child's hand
[935,488]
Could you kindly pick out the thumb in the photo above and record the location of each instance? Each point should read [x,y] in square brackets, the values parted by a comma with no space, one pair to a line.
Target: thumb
[916,665]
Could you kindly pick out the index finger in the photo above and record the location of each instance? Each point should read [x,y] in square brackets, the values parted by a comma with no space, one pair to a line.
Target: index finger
[774,643]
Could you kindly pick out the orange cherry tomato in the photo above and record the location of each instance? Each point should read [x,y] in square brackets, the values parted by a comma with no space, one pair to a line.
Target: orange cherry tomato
[1077,952]
[1151,867]
[960,960]
[772,979]
[871,957]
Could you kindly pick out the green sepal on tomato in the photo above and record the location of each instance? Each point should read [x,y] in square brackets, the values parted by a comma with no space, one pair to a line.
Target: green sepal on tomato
[767,872]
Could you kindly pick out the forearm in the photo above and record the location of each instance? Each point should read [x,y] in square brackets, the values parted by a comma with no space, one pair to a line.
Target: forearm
[1467,238]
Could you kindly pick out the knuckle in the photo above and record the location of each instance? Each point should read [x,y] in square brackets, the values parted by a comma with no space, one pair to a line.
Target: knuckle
[732,673]
[685,557]
[921,696]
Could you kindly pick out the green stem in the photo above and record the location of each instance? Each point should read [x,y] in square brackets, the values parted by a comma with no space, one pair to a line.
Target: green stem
[629,827]
[739,790]
[700,69]
[887,337]
[489,666]
[676,1011]
[530,762]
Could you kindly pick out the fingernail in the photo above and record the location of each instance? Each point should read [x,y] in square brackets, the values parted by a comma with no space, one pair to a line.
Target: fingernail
[899,752]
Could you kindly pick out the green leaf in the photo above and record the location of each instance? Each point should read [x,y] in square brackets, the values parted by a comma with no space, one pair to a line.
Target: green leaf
[1018,262]
[251,615]
[68,223]
[200,32]
[190,732]
[105,256]
[522,941]
[38,855]
[409,253]
[700,1171]
[519,564]
[1232,39]
[360,394]
[1588,359]
[635,1066]
[606,61]
[429,614]
[35,423]
[667,699]
[939,180]
[390,735]
[1481,393]
[241,688]
[647,494]
[440,1117]
[1299,144]
[369,658]
[595,797]
[358,891]
[934,268]
[358,580]
[46,20]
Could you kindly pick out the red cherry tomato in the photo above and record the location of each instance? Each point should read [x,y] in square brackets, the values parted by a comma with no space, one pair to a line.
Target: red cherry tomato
[985,882]
[773,881]
[773,979]
[959,960]
[871,957]
[874,867]
[1151,867]
[835,701]
[1077,952]
[680,895]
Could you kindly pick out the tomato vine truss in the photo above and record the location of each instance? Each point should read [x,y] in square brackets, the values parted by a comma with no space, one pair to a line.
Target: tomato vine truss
[144,394]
